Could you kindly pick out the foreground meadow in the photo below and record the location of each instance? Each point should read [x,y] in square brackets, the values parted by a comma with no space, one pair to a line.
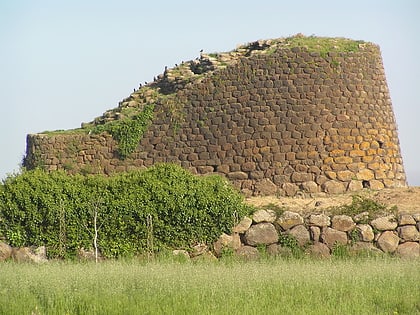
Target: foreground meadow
[281,286]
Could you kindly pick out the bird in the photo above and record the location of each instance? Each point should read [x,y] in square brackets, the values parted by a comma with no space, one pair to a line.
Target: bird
[201,50]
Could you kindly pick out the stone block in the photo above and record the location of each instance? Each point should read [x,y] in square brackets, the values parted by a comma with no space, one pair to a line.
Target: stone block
[289,219]
[365,232]
[264,216]
[342,223]
[386,223]
[406,219]
[243,226]
[388,241]
[408,250]
[408,233]
[301,234]
[261,234]
[332,237]
[333,187]
[321,220]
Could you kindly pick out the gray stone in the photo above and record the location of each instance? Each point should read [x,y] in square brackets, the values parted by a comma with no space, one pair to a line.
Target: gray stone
[342,223]
[365,232]
[406,219]
[320,220]
[331,237]
[387,223]
[289,219]
[301,234]
[264,216]
[315,232]
[388,241]
[408,250]
[5,251]
[408,233]
[243,226]
[319,250]
[248,253]
[261,234]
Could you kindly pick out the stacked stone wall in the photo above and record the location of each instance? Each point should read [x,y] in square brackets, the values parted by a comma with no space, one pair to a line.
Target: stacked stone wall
[272,123]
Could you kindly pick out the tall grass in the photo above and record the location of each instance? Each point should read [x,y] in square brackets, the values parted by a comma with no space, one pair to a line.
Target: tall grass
[359,286]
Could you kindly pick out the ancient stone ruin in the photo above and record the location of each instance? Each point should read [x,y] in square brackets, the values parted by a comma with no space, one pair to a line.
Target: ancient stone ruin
[282,116]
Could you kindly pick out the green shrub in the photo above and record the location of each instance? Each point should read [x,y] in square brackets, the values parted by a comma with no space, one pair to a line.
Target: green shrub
[162,207]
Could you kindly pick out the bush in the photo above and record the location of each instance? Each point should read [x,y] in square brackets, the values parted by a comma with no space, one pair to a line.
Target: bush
[162,207]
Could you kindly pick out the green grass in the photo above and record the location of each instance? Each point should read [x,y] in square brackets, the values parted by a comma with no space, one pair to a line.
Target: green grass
[362,286]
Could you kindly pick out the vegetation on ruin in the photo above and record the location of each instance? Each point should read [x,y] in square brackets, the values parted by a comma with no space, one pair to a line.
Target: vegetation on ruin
[138,212]
[165,286]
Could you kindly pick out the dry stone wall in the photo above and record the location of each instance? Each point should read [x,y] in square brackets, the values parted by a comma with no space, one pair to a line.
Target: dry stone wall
[273,121]
[320,235]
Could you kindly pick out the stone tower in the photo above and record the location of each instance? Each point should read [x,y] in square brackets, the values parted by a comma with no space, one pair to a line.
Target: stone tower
[277,116]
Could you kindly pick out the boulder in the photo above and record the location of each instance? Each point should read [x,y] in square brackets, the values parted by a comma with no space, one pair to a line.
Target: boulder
[387,223]
[408,233]
[388,241]
[278,250]
[266,187]
[261,234]
[320,220]
[248,253]
[406,219]
[408,250]
[364,247]
[315,232]
[289,219]
[334,187]
[301,234]
[264,216]
[226,241]
[365,232]
[342,223]
[319,250]
[416,216]
[331,237]
[5,251]
[30,254]
[242,226]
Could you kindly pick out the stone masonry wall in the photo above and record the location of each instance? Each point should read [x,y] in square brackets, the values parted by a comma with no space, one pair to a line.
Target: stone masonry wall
[272,123]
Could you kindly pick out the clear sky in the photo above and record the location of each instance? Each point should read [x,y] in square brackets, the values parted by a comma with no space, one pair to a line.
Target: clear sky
[66,62]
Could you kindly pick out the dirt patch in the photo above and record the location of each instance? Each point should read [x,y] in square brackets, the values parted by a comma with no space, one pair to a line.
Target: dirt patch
[406,200]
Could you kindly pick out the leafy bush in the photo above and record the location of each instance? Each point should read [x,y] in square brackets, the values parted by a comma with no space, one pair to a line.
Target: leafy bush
[162,207]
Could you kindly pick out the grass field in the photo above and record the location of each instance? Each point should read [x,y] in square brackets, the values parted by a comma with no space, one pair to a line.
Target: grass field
[281,286]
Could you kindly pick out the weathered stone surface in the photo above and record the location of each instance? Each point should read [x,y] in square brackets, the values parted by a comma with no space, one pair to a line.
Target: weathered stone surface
[310,187]
[331,237]
[388,241]
[248,253]
[376,184]
[342,223]
[30,254]
[5,251]
[362,217]
[334,187]
[278,250]
[408,233]
[226,241]
[264,216]
[300,233]
[319,250]
[290,189]
[406,219]
[237,175]
[408,250]
[315,232]
[261,233]
[242,226]
[416,217]
[266,187]
[320,220]
[365,232]
[355,185]
[364,247]
[387,223]
[289,219]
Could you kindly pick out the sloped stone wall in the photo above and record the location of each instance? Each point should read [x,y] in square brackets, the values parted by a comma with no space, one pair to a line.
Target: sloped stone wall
[272,123]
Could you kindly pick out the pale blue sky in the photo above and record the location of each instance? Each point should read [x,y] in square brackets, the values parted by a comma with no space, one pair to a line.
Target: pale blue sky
[66,62]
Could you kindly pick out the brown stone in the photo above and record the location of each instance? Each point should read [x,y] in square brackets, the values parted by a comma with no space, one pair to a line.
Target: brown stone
[320,220]
[278,250]
[301,234]
[365,174]
[266,187]
[261,234]
[355,185]
[388,241]
[332,237]
[310,187]
[247,253]
[319,250]
[376,184]
[315,232]
[237,175]
[264,216]
[5,251]
[365,232]
[333,187]
[226,241]
[290,189]
[242,226]
[289,219]
[406,219]
[345,175]
[342,223]
[408,250]
[387,223]
[408,233]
